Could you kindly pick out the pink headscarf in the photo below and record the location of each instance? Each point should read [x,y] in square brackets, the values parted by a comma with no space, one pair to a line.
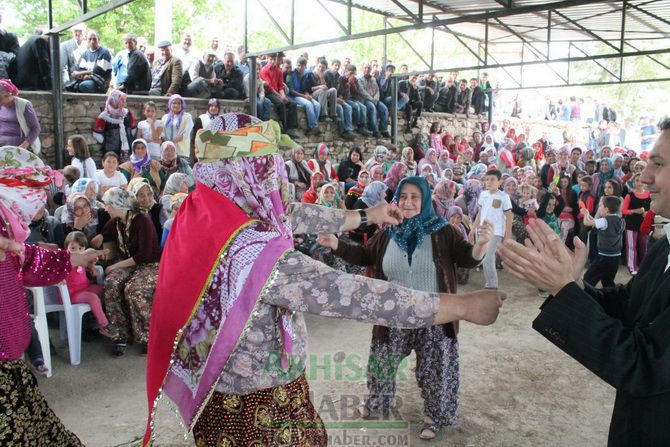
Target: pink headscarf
[113,107]
[393,176]
[9,87]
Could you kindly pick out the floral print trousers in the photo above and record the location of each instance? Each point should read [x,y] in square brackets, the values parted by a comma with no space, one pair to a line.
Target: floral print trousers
[437,371]
[129,295]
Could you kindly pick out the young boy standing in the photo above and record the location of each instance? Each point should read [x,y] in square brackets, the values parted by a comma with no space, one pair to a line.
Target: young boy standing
[496,207]
[610,228]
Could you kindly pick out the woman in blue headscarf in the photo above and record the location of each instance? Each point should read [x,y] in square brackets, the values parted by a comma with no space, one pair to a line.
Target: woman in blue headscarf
[423,252]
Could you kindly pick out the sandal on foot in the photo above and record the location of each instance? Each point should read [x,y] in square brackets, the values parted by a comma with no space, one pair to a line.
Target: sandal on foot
[109,331]
[429,431]
[40,367]
[119,348]
[363,412]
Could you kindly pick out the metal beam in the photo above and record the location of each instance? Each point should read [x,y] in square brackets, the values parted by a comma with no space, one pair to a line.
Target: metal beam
[650,57]
[524,9]
[88,16]
[623,37]
[293,21]
[585,30]
[349,17]
[246,26]
[407,11]
[411,47]
[332,16]
[550,61]
[253,106]
[462,42]
[572,45]
[590,84]
[644,11]
[275,23]
[57,99]
[532,47]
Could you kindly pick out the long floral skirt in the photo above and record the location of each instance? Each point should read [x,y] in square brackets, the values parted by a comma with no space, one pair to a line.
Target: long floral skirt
[281,416]
[437,371]
[129,295]
[25,417]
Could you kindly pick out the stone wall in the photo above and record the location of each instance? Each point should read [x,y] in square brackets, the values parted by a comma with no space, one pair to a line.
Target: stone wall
[81,111]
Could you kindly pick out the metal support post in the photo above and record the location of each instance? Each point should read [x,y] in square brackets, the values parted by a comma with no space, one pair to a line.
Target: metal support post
[253,109]
[57,99]
[623,36]
[486,41]
[549,34]
[292,22]
[432,47]
[385,56]
[246,26]
[394,110]
[490,95]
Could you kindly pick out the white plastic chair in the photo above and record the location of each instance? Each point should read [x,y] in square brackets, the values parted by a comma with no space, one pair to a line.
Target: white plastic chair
[70,316]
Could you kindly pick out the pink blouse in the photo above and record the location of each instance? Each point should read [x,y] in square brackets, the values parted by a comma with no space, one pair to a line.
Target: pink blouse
[40,267]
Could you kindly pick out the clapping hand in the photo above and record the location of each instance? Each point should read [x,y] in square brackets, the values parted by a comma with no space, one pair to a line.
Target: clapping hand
[384,214]
[544,260]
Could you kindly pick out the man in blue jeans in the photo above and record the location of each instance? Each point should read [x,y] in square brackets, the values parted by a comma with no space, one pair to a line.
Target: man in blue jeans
[94,69]
[369,93]
[294,80]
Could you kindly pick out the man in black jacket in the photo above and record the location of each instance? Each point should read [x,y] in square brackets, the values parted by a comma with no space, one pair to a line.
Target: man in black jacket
[621,334]
[409,91]
[33,64]
[477,99]
[139,71]
[8,41]
[446,101]
[463,98]
[231,76]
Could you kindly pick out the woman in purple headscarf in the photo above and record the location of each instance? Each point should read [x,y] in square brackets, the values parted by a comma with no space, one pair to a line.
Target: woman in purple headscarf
[18,122]
[397,172]
[141,165]
[177,126]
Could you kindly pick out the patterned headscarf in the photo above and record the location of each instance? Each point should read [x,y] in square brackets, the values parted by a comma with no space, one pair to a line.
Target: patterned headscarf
[393,177]
[322,197]
[258,184]
[443,196]
[411,233]
[140,163]
[81,185]
[173,183]
[372,194]
[113,107]
[23,178]
[135,186]
[68,213]
[119,198]
[9,87]
[171,117]
[471,191]
[212,102]
[177,199]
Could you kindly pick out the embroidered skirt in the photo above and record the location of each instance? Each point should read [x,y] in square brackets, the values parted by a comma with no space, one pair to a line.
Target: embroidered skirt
[281,416]
[25,417]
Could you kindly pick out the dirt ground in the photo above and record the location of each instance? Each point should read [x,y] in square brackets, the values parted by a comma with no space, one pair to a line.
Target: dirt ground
[517,389]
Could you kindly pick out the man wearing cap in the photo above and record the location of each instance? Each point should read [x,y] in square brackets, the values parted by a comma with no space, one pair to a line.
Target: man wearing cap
[131,69]
[70,50]
[166,73]
[230,76]
[204,83]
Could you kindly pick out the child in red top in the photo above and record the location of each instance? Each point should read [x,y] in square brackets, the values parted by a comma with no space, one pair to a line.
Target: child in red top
[80,288]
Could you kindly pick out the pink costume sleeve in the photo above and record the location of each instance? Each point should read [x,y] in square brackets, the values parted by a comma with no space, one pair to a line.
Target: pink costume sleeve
[42,267]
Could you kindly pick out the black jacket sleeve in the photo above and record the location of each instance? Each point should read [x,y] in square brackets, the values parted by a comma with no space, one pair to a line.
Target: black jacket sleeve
[634,360]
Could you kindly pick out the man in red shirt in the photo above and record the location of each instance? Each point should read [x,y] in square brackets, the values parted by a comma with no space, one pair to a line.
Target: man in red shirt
[274,91]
